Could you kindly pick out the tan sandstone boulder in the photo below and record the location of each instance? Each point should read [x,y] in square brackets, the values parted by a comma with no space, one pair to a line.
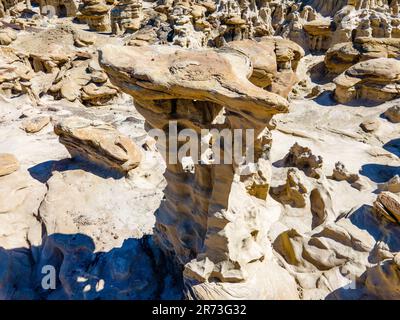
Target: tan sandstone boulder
[35,124]
[98,142]
[8,164]
[7,36]
[393,114]
[274,62]
[387,205]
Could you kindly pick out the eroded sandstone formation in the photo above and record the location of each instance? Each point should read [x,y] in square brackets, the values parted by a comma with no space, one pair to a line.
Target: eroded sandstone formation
[8,164]
[387,205]
[275,62]
[126,16]
[213,218]
[96,14]
[376,80]
[303,158]
[35,124]
[302,228]
[342,56]
[56,62]
[61,8]
[99,143]
[393,114]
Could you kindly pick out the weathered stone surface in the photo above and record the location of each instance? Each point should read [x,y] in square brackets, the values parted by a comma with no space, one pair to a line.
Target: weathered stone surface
[294,192]
[370,125]
[303,158]
[35,124]
[393,185]
[383,281]
[7,36]
[340,173]
[342,56]
[393,114]
[57,65]
[62,8]
[274,61]
[98,142]
[126,16]
[387,205]
[235,230]
[73,196]
[20,197]
[376,80]
[319,33]
[15,73]
[322,255]
[8,164]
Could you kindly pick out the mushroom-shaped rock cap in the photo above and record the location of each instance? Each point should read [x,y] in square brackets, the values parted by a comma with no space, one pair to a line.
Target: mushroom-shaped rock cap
[379,69]
[263,58]
[171,72]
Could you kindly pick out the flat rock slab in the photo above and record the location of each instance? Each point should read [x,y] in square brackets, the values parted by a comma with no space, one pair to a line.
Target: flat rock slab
[36,124]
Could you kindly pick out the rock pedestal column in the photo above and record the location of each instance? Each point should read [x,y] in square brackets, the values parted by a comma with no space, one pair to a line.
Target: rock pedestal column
[214,218]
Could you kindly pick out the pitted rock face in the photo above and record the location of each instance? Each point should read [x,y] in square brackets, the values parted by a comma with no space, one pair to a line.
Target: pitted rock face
[213,219]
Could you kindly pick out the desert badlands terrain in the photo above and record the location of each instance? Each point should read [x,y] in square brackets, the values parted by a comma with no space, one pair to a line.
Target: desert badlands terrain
[92,205]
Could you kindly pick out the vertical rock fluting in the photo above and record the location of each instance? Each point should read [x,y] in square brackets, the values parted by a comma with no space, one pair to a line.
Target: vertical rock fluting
[214,217]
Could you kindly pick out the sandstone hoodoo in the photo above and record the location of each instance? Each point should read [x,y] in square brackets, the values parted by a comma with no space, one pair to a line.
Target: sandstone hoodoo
[126,16]
[96,14]
[199,149]
[376,80]
[206,89]
[303,158]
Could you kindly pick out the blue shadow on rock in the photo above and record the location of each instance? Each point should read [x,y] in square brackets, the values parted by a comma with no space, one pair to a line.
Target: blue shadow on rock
[43,171]
[326,99]
[137,270]
[379,173]
[393,146]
